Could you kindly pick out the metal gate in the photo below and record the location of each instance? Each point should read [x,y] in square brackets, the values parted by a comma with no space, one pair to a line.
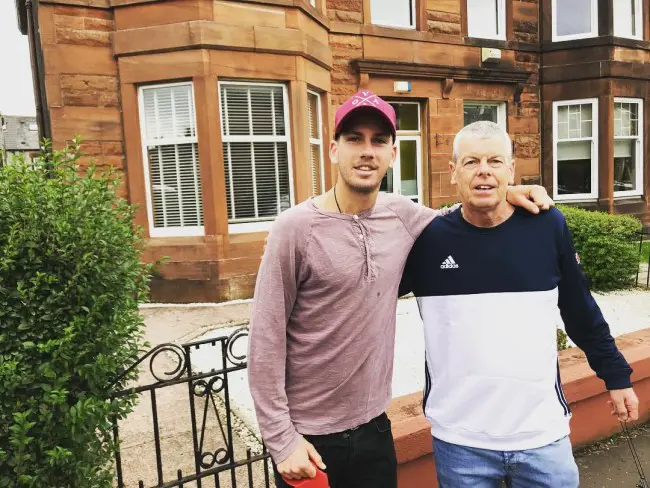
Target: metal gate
[208,401]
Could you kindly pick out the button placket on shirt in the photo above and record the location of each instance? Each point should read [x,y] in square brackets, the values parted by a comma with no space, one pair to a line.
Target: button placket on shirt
[363,239]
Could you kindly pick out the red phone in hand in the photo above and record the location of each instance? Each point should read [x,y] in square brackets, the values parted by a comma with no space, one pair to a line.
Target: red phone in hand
[320,481]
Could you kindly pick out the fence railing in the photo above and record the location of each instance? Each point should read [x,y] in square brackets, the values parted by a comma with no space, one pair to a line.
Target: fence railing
[207,454]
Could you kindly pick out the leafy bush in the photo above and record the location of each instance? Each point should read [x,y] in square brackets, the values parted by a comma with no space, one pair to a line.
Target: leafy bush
[562,340]
[607,245]
[70,283]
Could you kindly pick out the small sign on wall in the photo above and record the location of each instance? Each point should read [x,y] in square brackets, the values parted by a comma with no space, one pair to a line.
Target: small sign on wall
[402,87]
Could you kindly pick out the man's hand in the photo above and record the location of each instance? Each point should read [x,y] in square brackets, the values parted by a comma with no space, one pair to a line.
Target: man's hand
[624,404]
[531,197]
[298,465]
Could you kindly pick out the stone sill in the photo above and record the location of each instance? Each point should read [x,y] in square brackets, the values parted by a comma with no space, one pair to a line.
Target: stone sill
[585,393]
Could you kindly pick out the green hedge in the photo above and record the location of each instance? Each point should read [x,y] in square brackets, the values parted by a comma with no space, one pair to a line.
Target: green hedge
[70,283]
[607,245]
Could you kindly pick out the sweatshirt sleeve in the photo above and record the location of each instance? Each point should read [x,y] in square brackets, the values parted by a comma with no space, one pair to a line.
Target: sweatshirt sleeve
[275,294]
[415,216]
[584,322]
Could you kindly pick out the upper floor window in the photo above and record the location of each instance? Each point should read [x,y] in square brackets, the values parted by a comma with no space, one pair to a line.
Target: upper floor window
[574,19]
[628,147]
[628,20]
[490,111]
[256,153]
[171,160]
[393,13]
[486,19]
[575,149]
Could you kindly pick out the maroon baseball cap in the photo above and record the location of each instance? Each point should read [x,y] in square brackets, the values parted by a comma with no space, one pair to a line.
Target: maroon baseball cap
[365,99]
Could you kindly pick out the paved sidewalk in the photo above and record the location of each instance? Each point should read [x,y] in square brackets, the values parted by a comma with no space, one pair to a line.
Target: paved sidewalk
[609,464]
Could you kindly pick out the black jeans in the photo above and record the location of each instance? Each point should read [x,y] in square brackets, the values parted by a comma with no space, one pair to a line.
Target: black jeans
[358,458]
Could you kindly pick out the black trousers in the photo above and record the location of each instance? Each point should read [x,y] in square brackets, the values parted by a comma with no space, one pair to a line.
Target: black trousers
[358,458]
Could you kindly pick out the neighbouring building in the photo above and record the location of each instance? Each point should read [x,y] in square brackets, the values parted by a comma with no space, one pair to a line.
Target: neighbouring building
[17,135]
[219,112]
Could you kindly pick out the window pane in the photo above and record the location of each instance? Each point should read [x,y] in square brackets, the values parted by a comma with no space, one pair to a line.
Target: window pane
[175,185]
[314,161]
[408,163]
[387,182]
[407,116]
[626,119]
[313,115]
[573,17]
[168,112]
[625,165]
[269,161]
[625,21]
[483,18]
[478,111]
[574,121]
[397,13]
[574,167]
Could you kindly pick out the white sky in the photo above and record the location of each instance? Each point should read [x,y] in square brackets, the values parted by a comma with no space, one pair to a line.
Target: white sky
[16,89]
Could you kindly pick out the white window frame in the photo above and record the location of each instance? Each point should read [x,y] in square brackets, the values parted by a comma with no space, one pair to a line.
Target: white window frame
[409,135]
[413,17]
[318,142]
[638,22]
[502,111]
[262,225]
[501,22]
[397,175]
[164,231]
[594,149]
[639,148]
[586,35]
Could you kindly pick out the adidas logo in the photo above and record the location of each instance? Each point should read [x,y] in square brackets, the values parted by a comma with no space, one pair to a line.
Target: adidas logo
[449,263]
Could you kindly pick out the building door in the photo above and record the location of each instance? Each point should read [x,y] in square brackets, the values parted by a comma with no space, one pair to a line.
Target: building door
[405,177]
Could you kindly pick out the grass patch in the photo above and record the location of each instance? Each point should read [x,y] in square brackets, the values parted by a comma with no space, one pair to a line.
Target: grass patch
[645,252]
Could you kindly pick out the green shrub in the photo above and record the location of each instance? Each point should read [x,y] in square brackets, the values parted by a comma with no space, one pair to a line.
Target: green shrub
[607,245]
[70,283]
[562,340]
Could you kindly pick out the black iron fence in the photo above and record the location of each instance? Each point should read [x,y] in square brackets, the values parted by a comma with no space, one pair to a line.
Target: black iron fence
[643,272]
[212,458]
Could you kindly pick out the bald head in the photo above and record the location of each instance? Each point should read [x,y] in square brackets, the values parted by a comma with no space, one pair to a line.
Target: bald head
[482,129]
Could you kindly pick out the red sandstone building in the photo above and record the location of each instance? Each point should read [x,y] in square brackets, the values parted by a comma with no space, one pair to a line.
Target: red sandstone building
[218,112]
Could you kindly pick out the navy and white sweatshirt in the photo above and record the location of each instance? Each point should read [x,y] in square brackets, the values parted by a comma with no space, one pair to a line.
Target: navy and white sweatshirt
[490,299]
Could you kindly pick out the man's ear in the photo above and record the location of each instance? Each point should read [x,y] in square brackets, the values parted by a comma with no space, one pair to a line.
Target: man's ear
[392,162]
[334,152]
[512,173]
[452,172]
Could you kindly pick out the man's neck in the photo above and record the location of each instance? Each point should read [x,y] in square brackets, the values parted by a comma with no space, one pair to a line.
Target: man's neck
[487,217]
[349,201]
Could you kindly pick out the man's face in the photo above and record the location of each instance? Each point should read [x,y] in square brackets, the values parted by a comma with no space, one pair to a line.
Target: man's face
[363,152]
[482,172]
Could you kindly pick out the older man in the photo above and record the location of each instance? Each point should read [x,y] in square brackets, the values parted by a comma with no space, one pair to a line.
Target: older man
[490,281]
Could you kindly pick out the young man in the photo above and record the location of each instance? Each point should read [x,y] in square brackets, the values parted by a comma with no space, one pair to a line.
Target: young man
[490,281]
[323,323]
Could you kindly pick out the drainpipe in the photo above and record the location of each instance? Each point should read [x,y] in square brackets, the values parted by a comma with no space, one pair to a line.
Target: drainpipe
[38,70]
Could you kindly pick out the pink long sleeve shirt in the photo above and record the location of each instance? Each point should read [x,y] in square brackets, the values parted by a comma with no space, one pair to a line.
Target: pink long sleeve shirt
[323,325]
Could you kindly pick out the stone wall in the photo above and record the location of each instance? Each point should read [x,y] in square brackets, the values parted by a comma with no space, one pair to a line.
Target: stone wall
[81,79]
